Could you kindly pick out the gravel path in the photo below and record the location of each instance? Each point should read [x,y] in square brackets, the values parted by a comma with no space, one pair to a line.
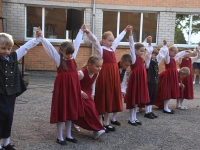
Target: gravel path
[32,130]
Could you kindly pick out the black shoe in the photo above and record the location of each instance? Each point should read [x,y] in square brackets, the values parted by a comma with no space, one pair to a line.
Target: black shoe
[132,123]
[106,130]
[110,128]
[155,116]
[61,142]
[138,122]
[10,147]
[149,115]
[71,140]
[115,123]
[167,112]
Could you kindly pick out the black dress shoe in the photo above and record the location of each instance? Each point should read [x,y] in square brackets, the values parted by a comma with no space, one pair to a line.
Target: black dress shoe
[115,123]
[71,140]
[110,128]
[167,112]
[138,122]
[61,142]
[149,115]
[132,123]
[155,116]
[10,147]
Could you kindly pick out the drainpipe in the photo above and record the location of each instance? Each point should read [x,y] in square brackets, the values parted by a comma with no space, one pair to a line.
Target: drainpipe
[93,22]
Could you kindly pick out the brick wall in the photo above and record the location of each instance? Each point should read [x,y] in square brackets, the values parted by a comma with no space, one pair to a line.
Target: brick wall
[15,19]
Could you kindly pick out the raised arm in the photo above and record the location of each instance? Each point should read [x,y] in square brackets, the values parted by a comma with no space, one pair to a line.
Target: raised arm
[93,39]
[118,39]
[193,59]
[27,46]
[132,49]
[180,54]
[51,51]
[77,42]
[149,50]
[162,54]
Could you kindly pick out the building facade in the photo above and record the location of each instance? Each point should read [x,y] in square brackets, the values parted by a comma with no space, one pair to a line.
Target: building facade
[176,21]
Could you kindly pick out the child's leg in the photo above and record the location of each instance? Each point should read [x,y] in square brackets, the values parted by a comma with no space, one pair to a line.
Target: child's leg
[146,109]
[100,119]
[68,126]
[166,105]
[150,108]
[113,119]
[114,116]
[131,112]
[135,112]
[5,141]
[60,130]
[106,123]
[181,103]
[178,105]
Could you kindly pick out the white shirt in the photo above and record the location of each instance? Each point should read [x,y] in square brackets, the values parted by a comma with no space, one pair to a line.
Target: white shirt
[149,49]
[124,83]
[100,48]
[52,52]
[193,59]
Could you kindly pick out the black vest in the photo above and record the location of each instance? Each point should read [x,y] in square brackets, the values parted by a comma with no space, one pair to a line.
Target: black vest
[11,81]
[122,73]
[152,72]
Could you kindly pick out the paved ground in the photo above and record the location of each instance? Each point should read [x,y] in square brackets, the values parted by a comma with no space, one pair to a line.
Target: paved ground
[32,130]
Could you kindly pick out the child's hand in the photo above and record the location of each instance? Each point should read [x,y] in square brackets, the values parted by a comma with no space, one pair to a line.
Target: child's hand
[164,42]
[182,86]
[84,95]
[39,32]
[128,27]
[149,39]
[84,29]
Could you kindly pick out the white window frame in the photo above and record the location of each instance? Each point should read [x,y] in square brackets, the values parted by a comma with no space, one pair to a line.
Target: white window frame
[189,36]
[141,26]
[43,26]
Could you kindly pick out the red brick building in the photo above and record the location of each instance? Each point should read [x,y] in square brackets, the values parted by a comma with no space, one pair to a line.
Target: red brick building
[178,21]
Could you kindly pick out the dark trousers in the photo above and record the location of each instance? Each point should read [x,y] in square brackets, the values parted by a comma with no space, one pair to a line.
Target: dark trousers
[7,104]
[152,92]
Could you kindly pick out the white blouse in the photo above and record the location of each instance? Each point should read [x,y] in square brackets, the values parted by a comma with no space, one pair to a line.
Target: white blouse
[27,46]
[100,48]
[54,55]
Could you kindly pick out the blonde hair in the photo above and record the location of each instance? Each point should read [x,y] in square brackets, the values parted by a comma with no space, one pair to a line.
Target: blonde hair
[6,40]
[93,59]
[185,70]
[173,48]
[105,35]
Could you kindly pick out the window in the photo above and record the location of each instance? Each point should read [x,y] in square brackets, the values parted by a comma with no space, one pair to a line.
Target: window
[144,24]
[53,22]
[187,29]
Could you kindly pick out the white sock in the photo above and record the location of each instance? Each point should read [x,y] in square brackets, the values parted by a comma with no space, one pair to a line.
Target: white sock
[106,119]
[150,108]
[146,109]
[135,112]
[131,111]
[178,102]
[5,141]
[100,119]
[114,116]
[166,108]
[181,101]
[68,126]
[60,129]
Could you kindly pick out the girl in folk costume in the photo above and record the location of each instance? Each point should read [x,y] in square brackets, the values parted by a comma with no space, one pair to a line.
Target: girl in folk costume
[153,58]
[108,96]
[188,91]
[137,89]
[67,104]
[87,76]
[168,86]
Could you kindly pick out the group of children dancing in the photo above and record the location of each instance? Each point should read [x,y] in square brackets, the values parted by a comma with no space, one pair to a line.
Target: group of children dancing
[87,97]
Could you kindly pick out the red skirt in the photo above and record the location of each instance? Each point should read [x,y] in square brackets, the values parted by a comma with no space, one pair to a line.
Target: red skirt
[168,87]
[108,97]
[91,119]
[66,101]
[188,91]
[137,90]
